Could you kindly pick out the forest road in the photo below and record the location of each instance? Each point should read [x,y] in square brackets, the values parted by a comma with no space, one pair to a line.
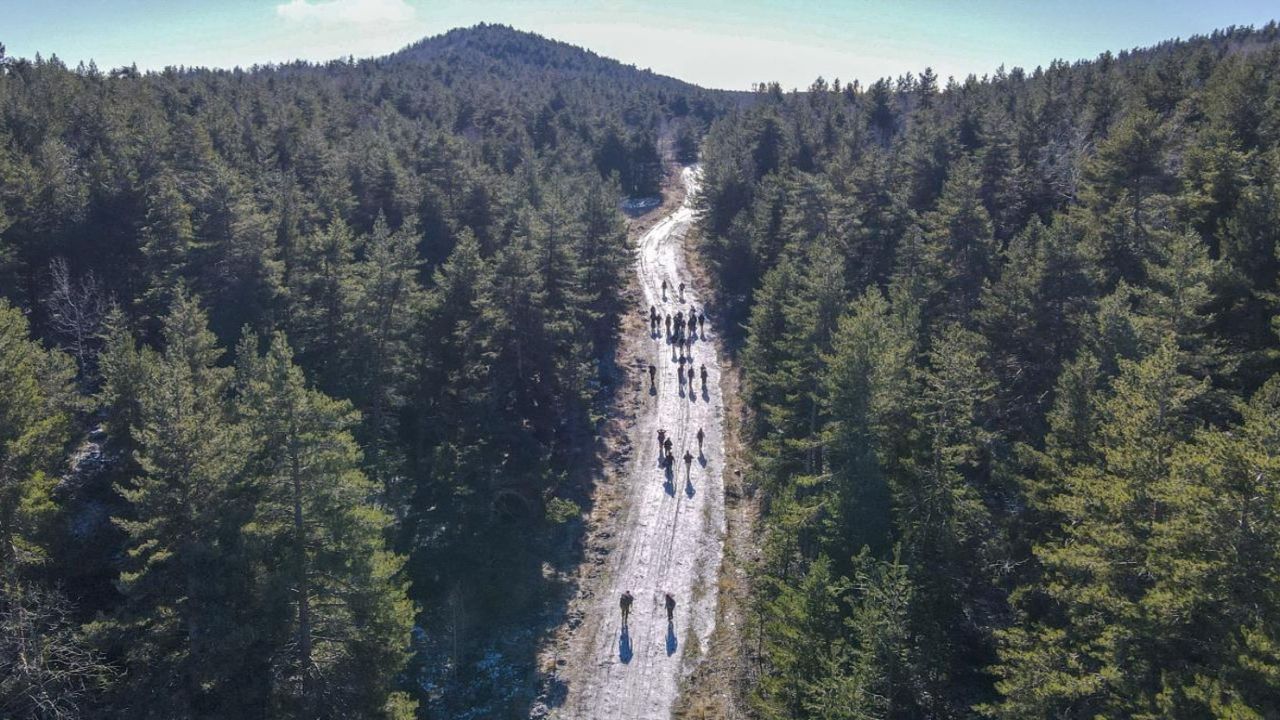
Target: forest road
[670,531]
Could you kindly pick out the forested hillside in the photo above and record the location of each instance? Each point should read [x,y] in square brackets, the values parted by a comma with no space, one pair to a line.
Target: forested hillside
[1010,348]
[294,359]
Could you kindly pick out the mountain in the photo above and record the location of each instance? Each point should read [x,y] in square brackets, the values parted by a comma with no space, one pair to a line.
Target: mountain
[504,49]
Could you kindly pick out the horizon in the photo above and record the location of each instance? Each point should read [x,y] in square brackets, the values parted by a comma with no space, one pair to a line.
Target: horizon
[715,45]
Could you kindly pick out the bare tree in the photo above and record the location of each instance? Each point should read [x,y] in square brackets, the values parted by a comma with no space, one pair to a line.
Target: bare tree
[46,669]
[76,309]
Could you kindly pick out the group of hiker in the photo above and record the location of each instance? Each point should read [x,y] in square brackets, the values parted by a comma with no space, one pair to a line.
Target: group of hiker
[653,375]
[664,450]
[681,330]
[627,598]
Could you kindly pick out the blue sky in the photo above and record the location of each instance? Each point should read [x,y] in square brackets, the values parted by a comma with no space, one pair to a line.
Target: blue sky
[715,43]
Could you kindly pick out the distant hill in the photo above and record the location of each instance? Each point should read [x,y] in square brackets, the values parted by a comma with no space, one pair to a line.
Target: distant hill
[536,66]
[506,49]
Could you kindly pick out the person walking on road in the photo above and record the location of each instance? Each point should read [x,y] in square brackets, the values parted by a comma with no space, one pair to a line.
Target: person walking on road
[700,436]
[662,435]
[688,463]
[681,292]
[625,604]
[670,602]
[704,376]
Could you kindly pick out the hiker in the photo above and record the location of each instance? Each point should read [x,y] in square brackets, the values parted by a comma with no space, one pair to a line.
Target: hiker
[653,372]
[666,445]
[700,436]
[688,461]
[680,374]
[681,291]
[671,607]
[702,319]
[668,326]
[662,434]
[625,604]
[704,376]
[671,459]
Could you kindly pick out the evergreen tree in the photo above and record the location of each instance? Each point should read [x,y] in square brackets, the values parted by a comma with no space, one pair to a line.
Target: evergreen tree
[36,402]
[866,386]
[341,618]
[380,311]
[184,630]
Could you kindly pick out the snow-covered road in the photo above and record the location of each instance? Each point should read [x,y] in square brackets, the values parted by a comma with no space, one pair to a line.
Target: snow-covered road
[670,533]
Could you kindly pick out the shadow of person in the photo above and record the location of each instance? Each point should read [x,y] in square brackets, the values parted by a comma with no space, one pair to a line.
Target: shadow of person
[668,487]
[671,639]
[624,646]
[688,488]
[653,390]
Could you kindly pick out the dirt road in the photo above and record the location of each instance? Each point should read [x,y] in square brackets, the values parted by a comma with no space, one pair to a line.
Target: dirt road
[670,534]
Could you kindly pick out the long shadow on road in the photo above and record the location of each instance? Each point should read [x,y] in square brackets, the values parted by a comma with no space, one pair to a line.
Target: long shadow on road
[624,646]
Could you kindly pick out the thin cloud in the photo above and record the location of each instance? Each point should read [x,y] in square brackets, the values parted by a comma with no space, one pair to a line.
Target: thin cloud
[346,12]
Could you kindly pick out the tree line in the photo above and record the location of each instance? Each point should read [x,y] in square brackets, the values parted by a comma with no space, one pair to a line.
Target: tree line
[1010,344]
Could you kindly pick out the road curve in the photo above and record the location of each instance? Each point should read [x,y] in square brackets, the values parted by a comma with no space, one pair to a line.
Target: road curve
[670,533]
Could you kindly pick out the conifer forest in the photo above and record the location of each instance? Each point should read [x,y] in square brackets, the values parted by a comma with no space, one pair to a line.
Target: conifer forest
[308,370]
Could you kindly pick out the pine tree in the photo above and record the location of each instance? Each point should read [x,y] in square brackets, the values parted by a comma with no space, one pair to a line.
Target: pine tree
[1123,190]
[36,403]
[961,244]
[866,385]
[603,257]
[874,676]
[183,631]
[1097,653]
[323,281]
[327,580]
[949,539]
[383,301]
[802,630]
[1030,317]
